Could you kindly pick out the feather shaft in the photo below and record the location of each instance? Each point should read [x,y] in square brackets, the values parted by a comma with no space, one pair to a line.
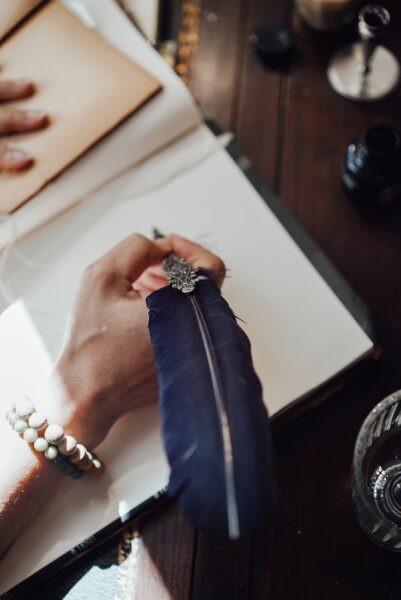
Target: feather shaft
[231,501]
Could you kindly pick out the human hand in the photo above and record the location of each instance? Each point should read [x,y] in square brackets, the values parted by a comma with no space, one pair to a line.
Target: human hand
[155,277]
[14,120]
[107,368]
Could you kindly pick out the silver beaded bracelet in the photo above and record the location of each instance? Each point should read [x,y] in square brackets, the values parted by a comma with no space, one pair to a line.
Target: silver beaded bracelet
[50,440]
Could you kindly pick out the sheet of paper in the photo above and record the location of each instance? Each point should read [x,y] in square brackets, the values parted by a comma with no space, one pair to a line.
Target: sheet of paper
[146,14]
[167,117]
[11,13]
[301,334]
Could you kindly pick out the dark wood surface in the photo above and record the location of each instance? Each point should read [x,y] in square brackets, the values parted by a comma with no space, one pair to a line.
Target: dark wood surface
[294,128]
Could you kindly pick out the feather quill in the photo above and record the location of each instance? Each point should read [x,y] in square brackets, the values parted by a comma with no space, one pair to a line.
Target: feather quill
[214,423]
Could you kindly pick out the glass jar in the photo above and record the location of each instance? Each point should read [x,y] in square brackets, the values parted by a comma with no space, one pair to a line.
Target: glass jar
[376,474]
[372,161]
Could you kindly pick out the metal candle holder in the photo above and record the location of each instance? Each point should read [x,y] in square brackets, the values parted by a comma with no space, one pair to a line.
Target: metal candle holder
[366,71]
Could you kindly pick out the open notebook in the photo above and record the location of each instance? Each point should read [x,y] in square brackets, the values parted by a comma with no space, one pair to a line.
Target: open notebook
[170,115]
[85,85]
[301,332]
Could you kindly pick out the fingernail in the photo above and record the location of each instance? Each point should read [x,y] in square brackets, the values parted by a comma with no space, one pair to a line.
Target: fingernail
[37,119]
[35,115]
[13,159]
[164,244]
[26,87]
[14,155]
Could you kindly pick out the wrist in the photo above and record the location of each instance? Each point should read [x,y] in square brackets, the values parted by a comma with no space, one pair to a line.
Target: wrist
[88,429]
[80,410]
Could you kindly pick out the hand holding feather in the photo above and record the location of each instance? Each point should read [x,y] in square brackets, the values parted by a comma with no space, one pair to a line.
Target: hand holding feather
[215,425]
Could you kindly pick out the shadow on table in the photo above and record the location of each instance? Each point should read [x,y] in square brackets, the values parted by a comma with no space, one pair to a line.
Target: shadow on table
[163,558]
[139,562]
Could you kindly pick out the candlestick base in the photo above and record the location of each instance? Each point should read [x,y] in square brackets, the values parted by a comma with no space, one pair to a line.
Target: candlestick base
[346,76]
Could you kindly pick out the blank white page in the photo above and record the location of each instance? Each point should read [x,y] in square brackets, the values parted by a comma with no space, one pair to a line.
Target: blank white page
[301,334]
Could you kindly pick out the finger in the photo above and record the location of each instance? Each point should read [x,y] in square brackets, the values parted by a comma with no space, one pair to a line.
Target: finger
[157,271]
[198,256]
[15,89]
[131,257]
[149,282]
[17,121]
[13,159]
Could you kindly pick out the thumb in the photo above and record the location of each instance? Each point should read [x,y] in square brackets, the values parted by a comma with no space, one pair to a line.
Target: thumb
[131,257]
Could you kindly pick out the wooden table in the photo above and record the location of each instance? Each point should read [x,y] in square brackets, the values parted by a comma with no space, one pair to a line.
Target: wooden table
[294,128]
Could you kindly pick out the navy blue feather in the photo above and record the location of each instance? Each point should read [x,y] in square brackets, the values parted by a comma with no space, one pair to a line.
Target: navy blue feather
[215,425]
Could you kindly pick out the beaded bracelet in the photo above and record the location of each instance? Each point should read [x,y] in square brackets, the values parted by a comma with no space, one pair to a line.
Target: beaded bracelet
[50,440]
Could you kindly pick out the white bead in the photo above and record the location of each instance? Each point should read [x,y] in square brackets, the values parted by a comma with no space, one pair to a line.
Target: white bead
[12,417]
[30,435]
[68,445]
[20,426]
[78,454]
[54,434]
[82,458]
[38,421]
[51,452]
[41,445]
[24,408]
[85,463]
[97,467]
